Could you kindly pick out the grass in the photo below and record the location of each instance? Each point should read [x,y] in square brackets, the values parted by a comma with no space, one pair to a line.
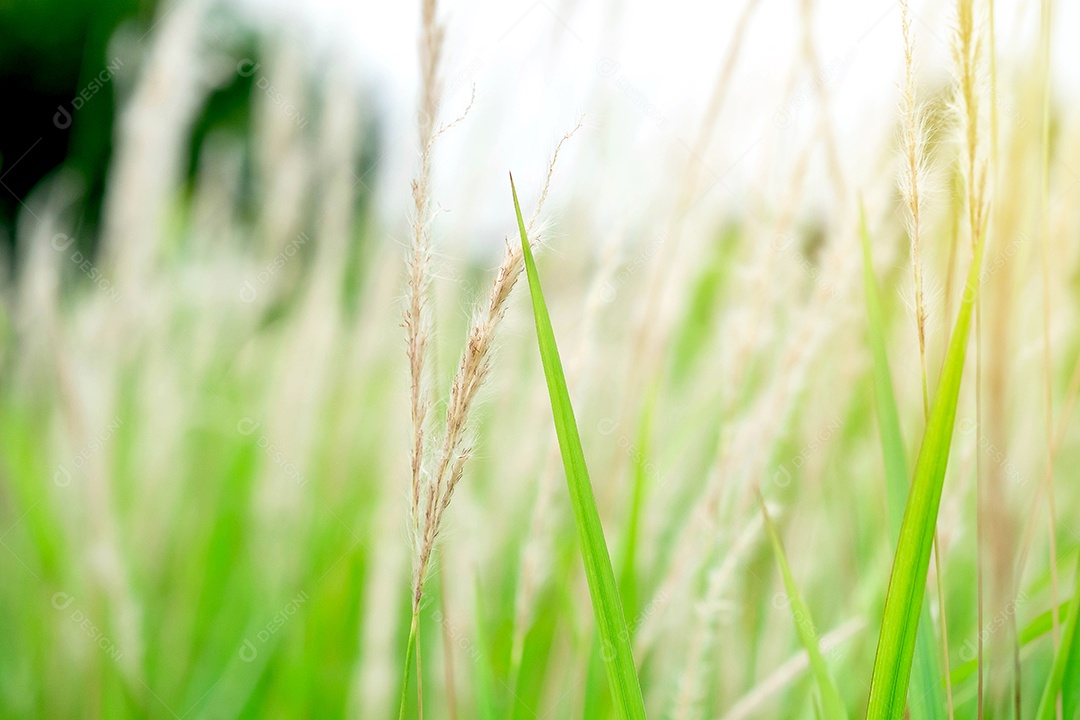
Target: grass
[907,583]
[219,505]
[614,636]
[927,698]
[832,707]
[1064,678]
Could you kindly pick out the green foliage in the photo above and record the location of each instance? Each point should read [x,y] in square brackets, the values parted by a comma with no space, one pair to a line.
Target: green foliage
[614,637]
[832,706]
[927,698]
[1064,675]
[907,584]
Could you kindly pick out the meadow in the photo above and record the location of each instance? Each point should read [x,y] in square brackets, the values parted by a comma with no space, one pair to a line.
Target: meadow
[266,454]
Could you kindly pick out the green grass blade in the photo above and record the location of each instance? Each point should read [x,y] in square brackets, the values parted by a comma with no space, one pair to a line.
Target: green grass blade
[907,584]
[892,443]
[832,706]
[1066,664]
[614,637]
[927,692]
[483,678]
[1036,629]
[642,451]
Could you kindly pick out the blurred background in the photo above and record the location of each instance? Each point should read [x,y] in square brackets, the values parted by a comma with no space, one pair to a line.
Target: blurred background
[205,210]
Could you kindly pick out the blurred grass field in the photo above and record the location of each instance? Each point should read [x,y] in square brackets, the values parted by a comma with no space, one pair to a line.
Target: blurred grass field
[205,429]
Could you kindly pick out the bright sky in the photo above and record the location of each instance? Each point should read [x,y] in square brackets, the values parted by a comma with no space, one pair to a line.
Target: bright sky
[641,72]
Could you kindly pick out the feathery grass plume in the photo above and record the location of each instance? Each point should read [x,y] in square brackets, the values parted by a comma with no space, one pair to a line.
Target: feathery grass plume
[417,316]
[416,319]
[470,376]
[912,175]
[912,179]
[967,56]
[473,368]
[434,482]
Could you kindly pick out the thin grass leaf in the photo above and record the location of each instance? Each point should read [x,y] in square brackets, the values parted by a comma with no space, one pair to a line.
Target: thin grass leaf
[1041,624]
[596,702]
[831,706]
[1066,664]
[892,442]
[604,592]
[1039,627]
[907,584]
[628,573]
[703,308]
[927,692]
[483,677]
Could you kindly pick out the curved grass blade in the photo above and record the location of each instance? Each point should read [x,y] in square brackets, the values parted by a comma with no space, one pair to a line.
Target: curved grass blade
[927,692]
[892,442]
[614,637]
[1038,628]
[628,575]
[1066,664]
[907,584]
[832,707]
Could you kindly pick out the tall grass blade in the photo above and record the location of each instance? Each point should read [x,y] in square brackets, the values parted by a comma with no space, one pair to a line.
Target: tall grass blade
[410,653]
[1065,672]
[907,584]
[1036,629]
[831,706]
[628,573]
[927,692]
[604,592]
